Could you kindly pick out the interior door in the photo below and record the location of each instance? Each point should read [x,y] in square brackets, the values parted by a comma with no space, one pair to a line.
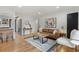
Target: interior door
[72,23]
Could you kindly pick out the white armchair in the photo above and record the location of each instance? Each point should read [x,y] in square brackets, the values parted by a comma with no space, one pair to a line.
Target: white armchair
[69,42]
[73,34]
[65,41]
[72,42]
[75,39]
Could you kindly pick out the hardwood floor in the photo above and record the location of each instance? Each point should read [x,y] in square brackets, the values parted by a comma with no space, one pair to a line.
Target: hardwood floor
[17,45]
[61,48]
[20,45]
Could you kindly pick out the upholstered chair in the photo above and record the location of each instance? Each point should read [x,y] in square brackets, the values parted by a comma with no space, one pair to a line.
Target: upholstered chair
[73,34]
[75,39]
[73,42]
[65,41]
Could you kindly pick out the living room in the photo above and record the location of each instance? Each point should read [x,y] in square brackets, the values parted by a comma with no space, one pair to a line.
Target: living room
[38,29]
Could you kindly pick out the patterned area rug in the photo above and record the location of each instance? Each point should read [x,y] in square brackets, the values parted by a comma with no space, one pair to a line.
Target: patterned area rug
[45,47]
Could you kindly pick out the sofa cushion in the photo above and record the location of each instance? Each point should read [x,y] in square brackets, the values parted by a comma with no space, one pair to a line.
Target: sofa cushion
[55,32]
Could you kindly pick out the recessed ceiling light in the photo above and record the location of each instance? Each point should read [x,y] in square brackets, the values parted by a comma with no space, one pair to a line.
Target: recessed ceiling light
[19,6]
[57,7]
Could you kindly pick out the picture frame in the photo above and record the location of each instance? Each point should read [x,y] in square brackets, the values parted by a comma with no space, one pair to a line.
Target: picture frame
[4,23]
[51,22]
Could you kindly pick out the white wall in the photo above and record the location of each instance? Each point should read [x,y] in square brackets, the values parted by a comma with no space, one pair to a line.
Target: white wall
[32,20]
[61,19]
[9,15]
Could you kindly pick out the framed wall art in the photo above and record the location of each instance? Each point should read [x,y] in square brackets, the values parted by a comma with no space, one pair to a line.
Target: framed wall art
[51,22]
[4,23]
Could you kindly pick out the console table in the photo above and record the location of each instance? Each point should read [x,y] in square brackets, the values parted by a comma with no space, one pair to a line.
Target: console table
[26,29]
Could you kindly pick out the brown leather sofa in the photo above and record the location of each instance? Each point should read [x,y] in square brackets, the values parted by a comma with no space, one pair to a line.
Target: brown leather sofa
[53,33]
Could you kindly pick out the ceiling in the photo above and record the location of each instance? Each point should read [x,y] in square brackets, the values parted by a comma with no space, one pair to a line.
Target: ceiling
[33,10]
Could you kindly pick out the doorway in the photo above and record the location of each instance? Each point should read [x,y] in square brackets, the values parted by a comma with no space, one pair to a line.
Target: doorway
[18,25]
[72,22]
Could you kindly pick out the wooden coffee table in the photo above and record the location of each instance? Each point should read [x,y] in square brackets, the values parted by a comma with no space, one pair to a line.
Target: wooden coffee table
[40,37]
